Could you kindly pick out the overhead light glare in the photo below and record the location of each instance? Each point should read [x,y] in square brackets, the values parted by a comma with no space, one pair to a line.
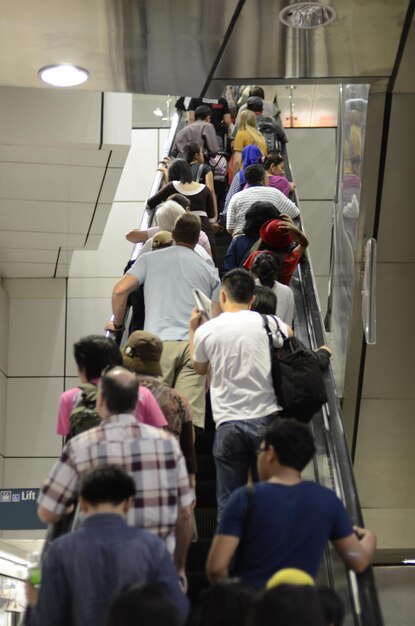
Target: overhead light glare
[158,112]
[307,15]
[63,75]
[408,561]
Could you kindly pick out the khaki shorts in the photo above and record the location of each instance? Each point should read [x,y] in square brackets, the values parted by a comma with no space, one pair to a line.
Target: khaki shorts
[179,373]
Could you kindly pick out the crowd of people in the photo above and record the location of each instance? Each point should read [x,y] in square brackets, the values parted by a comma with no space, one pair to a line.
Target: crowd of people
[127,473]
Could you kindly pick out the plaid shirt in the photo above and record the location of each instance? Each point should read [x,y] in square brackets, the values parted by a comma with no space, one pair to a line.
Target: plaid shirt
[150,455]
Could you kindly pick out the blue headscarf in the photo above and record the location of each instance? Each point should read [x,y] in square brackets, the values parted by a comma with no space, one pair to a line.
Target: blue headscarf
[250,156]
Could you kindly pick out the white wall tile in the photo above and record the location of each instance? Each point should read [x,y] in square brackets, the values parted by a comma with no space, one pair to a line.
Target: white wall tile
[36,337]
[317,220]
[32,411]
[26,473]
[312,154]
[139,170]
[90,287]
[29,288]
[114,250]
[3,412]
[86,316]
[4,329]
[71,382]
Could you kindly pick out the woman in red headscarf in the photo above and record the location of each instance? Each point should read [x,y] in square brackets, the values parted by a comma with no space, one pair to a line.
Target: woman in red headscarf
[283,240]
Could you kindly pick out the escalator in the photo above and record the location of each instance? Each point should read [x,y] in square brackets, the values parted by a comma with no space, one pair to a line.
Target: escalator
[331,466]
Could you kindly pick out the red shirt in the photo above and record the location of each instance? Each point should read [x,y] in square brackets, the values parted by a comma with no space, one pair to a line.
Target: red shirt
[287,268]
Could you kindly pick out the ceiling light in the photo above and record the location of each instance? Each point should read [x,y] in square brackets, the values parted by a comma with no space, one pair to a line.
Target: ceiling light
[63,75]
[158,112]
[307,15]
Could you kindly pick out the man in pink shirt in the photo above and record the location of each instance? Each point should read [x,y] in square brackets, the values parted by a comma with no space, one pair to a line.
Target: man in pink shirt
[92,354]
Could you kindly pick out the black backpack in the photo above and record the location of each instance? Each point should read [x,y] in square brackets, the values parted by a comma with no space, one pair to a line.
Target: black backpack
[270,134]
[296,376]
[84,415]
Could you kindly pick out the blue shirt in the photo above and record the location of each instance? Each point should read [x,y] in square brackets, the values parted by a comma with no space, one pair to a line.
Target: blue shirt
[85,570]
[289,527]
[169,276]
[238,248]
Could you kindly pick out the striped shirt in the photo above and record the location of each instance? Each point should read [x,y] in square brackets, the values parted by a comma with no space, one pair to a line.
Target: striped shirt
[241,201]
[150,455]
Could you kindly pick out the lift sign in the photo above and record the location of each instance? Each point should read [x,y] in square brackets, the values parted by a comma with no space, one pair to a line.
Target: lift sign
[18,509]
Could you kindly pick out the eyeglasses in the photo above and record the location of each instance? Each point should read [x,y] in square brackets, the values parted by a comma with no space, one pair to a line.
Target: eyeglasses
[258,452]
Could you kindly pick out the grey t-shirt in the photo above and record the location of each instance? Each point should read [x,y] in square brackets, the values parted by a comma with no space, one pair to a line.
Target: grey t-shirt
[169,276]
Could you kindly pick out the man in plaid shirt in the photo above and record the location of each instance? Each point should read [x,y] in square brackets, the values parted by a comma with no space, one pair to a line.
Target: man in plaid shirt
[152,456]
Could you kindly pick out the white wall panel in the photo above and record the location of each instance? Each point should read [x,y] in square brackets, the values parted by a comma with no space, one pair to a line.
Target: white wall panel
[50,117]
[22,473]
[114,250]
[50,182]
[36,336]
[4,329]
[139,170]
[317,220]
[32,411]
[312,154]
[45,216]
[3,412]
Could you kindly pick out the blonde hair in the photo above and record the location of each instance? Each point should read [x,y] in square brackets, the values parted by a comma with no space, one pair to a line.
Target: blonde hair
[248,123]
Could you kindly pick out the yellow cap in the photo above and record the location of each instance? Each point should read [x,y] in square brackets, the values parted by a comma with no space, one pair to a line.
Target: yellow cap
[290,576]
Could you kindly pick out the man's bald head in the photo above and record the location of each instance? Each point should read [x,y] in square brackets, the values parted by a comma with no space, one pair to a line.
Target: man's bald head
[118,392]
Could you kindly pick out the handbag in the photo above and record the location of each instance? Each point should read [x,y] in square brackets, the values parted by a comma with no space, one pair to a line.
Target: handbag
[296,377]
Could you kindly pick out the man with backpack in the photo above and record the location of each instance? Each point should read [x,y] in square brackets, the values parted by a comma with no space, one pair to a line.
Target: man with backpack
[152,456]
[77,406]
[235,346]
[201,132]
[273,133]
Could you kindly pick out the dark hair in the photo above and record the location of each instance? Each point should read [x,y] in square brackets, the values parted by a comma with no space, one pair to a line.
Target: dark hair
[119,388]
[257,91]
[180,170]
[107,483]
[180,199]
[191,150]
[254,174]
[266,267]
[144,604]
[272,159]
[239,285]
[332,606]
[265,300]
[258,213]
[187,229]
[226,603]
[255,104]
[202,112]
[292,442]
[94,352]
[286,605]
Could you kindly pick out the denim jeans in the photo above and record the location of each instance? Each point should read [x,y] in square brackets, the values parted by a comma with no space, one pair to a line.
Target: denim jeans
[234,451]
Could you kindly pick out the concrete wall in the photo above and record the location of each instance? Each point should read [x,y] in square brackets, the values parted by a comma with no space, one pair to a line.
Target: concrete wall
[47,315]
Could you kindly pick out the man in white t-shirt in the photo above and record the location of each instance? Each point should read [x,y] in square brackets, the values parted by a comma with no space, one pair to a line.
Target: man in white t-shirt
[235,345]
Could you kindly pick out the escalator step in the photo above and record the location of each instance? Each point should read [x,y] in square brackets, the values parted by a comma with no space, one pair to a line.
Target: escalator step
[205,467]
[196,558]
[206,522]
[206,494]
[197,581]
[204,443]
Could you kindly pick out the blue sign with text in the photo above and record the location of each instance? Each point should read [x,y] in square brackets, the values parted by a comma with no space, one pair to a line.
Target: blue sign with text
[18,510]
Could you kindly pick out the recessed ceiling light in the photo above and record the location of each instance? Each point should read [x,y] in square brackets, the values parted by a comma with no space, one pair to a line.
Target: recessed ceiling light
[307,15]
[63,75]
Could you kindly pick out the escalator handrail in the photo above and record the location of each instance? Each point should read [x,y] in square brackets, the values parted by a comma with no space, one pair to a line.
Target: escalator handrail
[366,602]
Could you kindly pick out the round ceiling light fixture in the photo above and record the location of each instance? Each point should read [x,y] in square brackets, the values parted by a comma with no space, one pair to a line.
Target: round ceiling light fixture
[307,15]
[63,75]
